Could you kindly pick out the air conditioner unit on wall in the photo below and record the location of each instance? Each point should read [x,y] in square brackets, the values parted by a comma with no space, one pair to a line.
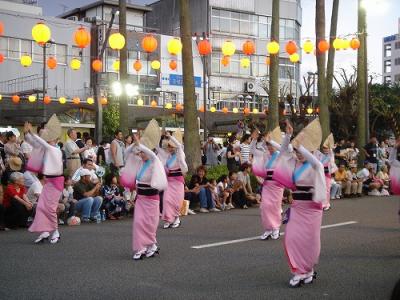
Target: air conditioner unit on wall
[250,87]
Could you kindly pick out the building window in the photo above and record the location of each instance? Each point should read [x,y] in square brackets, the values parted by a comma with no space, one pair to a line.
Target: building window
[388,50]
[61,54]
[387,67]
[397,61]
[264,27]
[234,22]
[387,80]
[13,48]
[76,52]
[397,45]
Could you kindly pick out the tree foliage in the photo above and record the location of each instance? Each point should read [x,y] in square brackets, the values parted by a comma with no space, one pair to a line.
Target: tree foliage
[110,119]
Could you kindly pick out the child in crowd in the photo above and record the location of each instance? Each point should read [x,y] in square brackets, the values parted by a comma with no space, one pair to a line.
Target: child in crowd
[215,195]
[68,197]
[114,202]
[224,192]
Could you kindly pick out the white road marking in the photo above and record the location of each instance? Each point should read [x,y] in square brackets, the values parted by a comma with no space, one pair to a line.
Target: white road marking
[258,237]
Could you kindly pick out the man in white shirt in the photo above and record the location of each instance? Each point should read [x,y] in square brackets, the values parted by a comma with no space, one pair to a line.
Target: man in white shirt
[88,165]
[72,152]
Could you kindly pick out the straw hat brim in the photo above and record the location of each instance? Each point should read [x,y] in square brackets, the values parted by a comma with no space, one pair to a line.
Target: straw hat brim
[151,135]
[329,141]
[311,136]
[15,163]
[276,135]
[52,129]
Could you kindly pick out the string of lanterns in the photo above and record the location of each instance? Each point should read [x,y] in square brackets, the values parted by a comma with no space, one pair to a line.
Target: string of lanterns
[62,100]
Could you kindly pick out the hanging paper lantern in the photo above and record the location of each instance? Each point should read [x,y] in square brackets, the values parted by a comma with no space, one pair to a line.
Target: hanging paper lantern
[225,110]
[41,33]
[75,64]
[1,28]
[204,47]
[213,109]
[268,60]
[255,111]
[291,47]
[26,60]
[246,110]
[294,58]
[51,63]
[273,47]
[225,60]
[345,44]
[235,110]
[15,98]
[76,100]
[201,109]
[90,100]
[116,65]
[97,65]
[1,97]
[46,100]
[103,101]
[308,46]
[168,105]
[140,102]
[309,110]
[153,103]
[155,65]
[32,98]
[149,43]
[174,46]
[228,48]
[249,48]
[245,63]
[116,41]
[355,43]
[62,100]
[179,107]
[337,44]
[323,46]
[1,58]
[137,65]
[82,37]
[173,65]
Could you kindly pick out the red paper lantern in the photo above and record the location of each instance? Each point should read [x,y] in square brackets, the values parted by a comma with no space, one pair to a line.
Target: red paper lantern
[355,43]
[201,109]
[51,63]
[179,107]
[225,60]
[97,65]
[173,65]
[204,47]
[267,60]
[76,100]
[1,58]
[46,100]
[103,101]
[249,48]
[291,47]
[149,43]
[1,28]
[246,110]
[137,65]
[153,103]
[323,46]
[15,99]
[225,110]
[82,37]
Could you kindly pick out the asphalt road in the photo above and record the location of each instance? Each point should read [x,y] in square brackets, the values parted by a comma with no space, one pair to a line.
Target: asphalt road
[358,261]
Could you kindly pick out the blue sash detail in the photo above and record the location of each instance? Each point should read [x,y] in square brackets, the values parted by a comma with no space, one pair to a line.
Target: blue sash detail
[297,173]
[171,160]
[272,160]
[325,159]
[143,169]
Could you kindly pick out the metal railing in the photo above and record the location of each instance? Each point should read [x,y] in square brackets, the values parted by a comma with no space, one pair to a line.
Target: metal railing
[22,85]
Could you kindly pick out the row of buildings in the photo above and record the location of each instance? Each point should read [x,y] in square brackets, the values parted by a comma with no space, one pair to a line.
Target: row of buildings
[226,86]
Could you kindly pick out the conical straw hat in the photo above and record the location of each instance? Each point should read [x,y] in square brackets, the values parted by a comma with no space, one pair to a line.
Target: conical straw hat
[151,135]
[52,129]
[276,135]
[311,136]
[329,142]
[178,135]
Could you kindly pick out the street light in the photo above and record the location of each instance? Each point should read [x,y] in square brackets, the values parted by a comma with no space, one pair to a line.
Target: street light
[116,88]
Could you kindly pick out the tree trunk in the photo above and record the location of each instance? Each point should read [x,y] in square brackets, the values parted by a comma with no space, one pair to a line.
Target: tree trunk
[192,137]
[361,86]
[321,62]
[331,53]
[123,72]
[273,117]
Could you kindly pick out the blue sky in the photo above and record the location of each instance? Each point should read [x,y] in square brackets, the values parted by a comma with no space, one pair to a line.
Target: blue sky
[382,21]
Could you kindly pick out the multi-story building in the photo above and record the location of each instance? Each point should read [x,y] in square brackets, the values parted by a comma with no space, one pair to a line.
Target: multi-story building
[391,58]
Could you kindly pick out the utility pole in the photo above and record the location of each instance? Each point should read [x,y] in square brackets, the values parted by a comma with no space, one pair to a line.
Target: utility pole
[274,71]
[123,72]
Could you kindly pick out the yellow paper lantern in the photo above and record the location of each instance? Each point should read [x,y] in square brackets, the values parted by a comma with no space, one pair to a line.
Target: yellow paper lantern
[62,100]
[153,103]
[255,111]
[235,110]
[245,62]
[155,65]
[229,134]
[75,64]
[1,97]
[103,101]
[294,58]
[228,48]
[273,47]
[168,105]
[309,110]
[90,100]
[26,60]
[32,98]
[140,102]
[308,47]
[213,109]
[338,43]
[41,33]
[345,44]
[116,65]
[174,46]
[116,41]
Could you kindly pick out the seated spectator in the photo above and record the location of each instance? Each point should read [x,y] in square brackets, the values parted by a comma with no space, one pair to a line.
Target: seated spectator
[363,175]
[87,164]
[114,202]
[29,178]
[336,190]
[68,198]
[16,204]
[356,183]
[373,184]
[244,178]
[341,178]
[224,192]
[237,191]
[384,176]
[87,194]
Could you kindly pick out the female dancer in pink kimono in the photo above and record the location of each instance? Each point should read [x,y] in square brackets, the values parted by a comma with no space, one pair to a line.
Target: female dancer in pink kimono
[173,159]
[272,192]
[304,174]
[45,221]
[394,160]
[145,169]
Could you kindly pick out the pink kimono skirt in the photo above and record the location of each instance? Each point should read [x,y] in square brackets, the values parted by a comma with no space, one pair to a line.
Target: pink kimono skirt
[145,222]
[302,236]
[271,205]
[46,210]
[173,197]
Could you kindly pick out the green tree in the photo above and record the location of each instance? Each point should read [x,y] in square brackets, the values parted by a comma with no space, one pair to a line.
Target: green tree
[110,119]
